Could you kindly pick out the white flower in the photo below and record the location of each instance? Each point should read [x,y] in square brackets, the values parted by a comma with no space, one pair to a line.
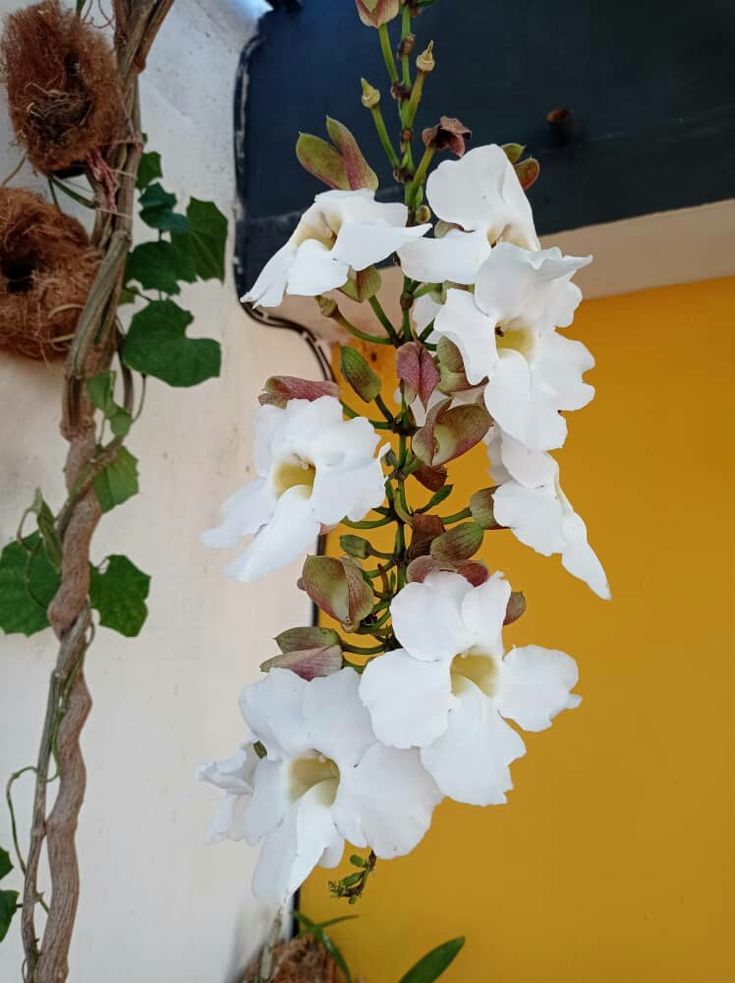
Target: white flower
[482,194]
[325,779]
[531,503]
[341,232]
[449,687]
[235,777]
[506,332]
[314,468]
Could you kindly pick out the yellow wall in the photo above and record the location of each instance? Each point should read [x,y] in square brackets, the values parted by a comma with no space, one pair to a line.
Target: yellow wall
[613,860]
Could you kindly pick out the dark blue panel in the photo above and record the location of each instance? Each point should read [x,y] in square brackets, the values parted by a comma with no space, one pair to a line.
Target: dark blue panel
[651,84]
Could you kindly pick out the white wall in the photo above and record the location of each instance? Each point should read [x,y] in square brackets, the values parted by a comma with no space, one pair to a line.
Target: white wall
[157,903]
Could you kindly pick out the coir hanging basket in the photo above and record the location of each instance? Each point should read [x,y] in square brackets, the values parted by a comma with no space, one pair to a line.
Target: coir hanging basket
[62,85]
[46,269]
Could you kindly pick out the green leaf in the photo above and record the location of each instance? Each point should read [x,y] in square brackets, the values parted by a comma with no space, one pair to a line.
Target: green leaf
[431,966]
[156,266]
[336,953]
[157,345]
[101,390]
[126,297]
[205,240]
[8,907]
[47,527]
[5,864]
[118,482]
[148,169]
[119,594]
[28,583]
[157,210]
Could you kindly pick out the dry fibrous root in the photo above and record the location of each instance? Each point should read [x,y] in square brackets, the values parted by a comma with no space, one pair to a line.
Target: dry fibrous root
[46,268]
[301,960]
[62,85]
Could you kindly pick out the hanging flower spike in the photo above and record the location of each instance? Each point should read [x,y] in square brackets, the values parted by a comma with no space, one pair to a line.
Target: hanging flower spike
[314,468]
[342,232]
[449,687]
[531,503]
[482,196]
[325,779]
[506,333]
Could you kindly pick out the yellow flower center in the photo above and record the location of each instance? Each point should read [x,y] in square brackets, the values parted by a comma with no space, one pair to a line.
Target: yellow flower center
[324,227]
[293,471]
[476,667]
[518,339]
[307,772]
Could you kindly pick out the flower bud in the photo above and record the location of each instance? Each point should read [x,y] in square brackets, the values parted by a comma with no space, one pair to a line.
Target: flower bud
[423,215]
[513,151]
[417,371]
[458,544]
[358,373]
[528,171]
[450,432]
[449,134]
[309,652]
[425,61]
[338,588]
[356,546]
[374,13]
[516,607]
[481,507]
[327,306]
[280,388]
[370,95]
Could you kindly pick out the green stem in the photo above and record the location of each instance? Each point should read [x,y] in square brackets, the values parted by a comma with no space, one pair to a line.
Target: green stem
[368,523]
[420,175]
[383,317]
[415,99]
[357,333]
[405,31]
[387,50]
[384,138]
[370,650]
[457,517]
[379,402]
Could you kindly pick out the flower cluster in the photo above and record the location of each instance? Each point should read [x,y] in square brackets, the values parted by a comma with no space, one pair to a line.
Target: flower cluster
[358,743]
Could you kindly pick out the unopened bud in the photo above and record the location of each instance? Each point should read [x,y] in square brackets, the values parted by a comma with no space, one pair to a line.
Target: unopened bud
[425,61]
[327,306]
[370,95]
[405,48]
[423,215]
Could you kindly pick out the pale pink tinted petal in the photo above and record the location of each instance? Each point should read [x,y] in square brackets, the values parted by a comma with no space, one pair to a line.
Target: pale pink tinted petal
[534,515]
[520,405]
[314,270]
[455,257]
[535,685]
[361,245]
[580,559]
[268,289]
[273,709]
[426,617]
[269,802]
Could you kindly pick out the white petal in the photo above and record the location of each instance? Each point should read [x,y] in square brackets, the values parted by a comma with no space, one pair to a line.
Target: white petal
[386,802]
[529,468]
[455,257]
[535,685]
[291,852]
[470,762]
[268,289]
[426,617]
[233,774]
[228,822]
[339,492]
[462,321]
[408,699]
[269,802]
[424,311]
[290,533]
[533,514]
[483,612]
[561,362]
[361,245]
[243,514]
[482,191]
[579,558]
[315,270]
[273,709]
[337,723]
[518,403]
